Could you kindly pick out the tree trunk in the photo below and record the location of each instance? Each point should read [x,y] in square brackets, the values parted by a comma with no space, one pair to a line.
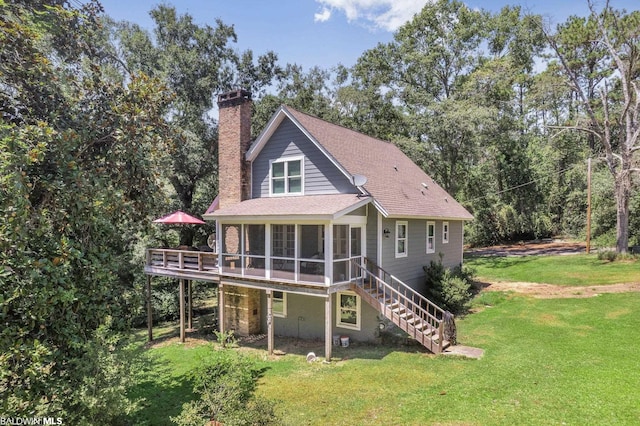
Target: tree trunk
[623,194]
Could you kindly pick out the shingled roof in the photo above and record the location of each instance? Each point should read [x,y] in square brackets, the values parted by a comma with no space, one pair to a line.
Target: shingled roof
[399,187]
[324,207]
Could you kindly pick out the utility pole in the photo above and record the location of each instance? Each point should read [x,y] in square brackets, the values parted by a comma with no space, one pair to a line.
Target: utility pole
[588,205]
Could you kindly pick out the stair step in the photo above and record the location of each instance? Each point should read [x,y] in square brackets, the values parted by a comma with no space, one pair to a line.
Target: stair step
[405,315]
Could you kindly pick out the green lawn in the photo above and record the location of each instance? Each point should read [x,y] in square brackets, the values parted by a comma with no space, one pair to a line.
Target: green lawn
[572,270]
[562,361]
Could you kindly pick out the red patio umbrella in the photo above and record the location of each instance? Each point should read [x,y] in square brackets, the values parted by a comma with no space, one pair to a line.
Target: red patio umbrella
[178,217]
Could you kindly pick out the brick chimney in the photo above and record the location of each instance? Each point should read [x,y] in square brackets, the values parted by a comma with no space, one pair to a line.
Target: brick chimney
[234,139]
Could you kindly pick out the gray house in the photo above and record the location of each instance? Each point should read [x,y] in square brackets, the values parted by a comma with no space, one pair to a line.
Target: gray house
[321,232]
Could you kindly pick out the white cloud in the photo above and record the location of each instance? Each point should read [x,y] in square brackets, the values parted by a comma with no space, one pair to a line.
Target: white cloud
[388,15]
[323,16]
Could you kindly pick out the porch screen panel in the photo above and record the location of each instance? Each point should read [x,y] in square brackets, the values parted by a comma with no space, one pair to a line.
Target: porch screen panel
[311,253]
[340,253]
[254,250]
[231,242]
[283,249]
[356,250]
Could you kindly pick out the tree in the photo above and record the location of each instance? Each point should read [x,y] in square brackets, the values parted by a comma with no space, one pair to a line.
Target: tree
[79,153]
[612,72]
[307,91]
[422,71]
[196,62]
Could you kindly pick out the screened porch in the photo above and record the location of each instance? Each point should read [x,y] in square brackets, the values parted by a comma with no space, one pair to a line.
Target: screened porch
[318,254]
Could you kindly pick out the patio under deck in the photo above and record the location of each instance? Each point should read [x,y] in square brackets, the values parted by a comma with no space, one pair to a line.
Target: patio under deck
[204,266]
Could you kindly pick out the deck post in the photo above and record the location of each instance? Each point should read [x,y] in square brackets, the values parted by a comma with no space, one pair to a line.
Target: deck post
[189,306]
[328,340]
[221,308]
[181,286]
[149,311]
[270,322]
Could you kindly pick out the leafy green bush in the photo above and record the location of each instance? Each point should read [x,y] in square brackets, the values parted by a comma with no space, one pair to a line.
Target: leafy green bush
[165,303]
[608,255]
[449,288]
[226,382]
[226,339]
[612,256]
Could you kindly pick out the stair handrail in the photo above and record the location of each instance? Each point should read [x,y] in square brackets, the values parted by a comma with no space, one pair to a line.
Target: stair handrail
[408,302]
[402,298]
[401,285]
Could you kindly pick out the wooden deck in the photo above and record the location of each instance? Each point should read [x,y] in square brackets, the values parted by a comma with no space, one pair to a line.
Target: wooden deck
[204,266]
[186,264]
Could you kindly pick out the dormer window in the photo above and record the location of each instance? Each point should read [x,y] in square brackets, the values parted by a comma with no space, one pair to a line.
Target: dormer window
[286,176]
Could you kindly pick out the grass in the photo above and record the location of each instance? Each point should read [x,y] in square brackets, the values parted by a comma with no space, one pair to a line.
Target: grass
[163,387]
[574,270]
[547,361]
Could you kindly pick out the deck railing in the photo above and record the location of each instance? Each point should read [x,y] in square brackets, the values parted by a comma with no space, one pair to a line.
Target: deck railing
[183,259]
[203,264]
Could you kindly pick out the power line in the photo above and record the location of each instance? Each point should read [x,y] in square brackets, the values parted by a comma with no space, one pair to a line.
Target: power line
[523,184]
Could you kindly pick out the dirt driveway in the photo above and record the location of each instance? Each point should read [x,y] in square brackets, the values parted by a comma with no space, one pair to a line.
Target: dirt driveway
[546,291]
[550,291]
[526,248]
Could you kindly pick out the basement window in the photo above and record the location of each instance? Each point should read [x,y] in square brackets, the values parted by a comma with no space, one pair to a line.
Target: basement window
[348,310]
[286,176]
[279,304]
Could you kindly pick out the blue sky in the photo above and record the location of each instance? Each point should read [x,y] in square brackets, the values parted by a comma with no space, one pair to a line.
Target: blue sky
[323,32]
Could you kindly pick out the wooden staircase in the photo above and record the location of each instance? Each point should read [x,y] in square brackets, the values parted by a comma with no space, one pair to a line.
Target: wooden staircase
[410,311]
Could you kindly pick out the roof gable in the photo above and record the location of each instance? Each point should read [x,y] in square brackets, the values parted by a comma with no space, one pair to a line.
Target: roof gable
[398,186]
[273,124]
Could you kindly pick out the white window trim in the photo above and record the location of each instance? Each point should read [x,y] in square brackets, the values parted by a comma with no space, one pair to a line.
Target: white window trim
[339,322]
[282,314]
[445,232]
[433,238]
[406,238]
[286,181]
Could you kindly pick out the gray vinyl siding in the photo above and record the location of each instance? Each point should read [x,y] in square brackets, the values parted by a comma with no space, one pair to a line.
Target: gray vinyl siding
[452,251]
[372,234]
[409,269]
[361,211]
[321,176]
[305,319]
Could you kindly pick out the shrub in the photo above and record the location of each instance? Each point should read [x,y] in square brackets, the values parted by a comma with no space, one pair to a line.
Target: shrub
[449,288]
[607,255]
[612,256]
[226,339]
[225,382]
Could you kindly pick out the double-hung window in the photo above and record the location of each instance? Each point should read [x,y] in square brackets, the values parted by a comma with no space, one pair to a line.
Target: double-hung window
[401,239]
[431,237]
[286,176]
[445,232]
[348,310]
